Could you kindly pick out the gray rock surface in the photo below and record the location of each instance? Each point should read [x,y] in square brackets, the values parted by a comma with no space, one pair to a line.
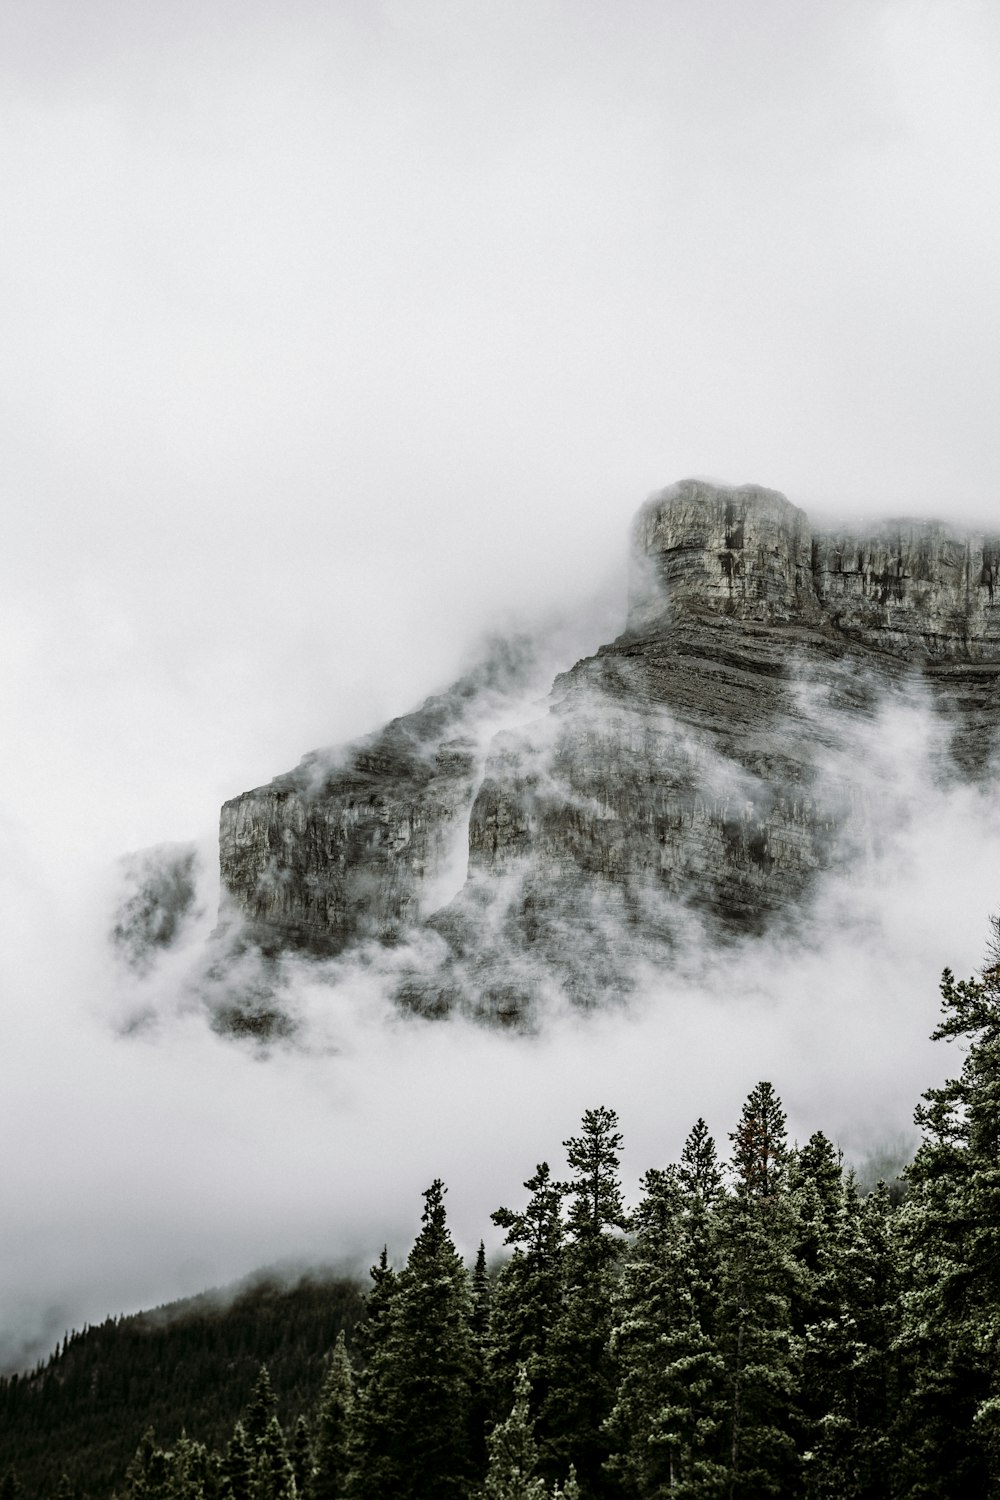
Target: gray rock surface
[703,768]
[349,844]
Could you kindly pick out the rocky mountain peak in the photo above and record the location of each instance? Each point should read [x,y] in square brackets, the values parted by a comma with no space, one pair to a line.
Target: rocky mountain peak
[706,767]
[744,552]
[913,588]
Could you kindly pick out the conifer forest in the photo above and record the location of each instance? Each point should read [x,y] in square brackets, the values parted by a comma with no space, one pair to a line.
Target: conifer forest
[755,1325]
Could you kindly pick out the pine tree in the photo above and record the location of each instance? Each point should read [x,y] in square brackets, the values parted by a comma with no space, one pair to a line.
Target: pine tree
[273,1478]
[371,1440]
[949,1426]
[581,1370]
[513,1453]
[147,1476]
[698,1172]
[847,1362]
[528,1295]
[259,1409]
[191,1471]
[757,1284]
[334,1420]
[481,1403]
[668,1418]
[428,1365]
[302,1457]
[481,1297]
[237,1467]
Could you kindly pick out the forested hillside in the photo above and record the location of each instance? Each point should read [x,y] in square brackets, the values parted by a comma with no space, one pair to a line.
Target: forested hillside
[754,1326]
[187,1367]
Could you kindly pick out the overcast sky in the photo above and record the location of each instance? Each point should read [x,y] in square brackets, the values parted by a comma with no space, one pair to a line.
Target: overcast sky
[336,334]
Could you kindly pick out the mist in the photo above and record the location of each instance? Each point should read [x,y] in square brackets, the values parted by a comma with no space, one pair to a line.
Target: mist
[334,340]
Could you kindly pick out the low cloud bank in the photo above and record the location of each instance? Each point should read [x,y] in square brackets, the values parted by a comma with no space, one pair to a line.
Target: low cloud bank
[160,1157]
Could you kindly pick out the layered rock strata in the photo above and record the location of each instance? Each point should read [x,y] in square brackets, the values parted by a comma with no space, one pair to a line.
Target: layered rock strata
[702,768]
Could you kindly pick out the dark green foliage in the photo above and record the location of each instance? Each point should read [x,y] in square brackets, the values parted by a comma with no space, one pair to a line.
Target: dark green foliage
[301,1456]
[949,1338]
[186,1472]
[758,1282]
[371,1439]
[512,1471]
[187,1367]
[238,1466]
[666,1426]
[581,1372]
[334,1424]
[849,1390]
[260,1409]
[273,1476]
[481,1402]
[415,1407]
[767,1332]
[529,1291]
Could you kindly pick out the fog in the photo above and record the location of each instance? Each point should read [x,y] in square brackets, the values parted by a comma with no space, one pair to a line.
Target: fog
[334,338]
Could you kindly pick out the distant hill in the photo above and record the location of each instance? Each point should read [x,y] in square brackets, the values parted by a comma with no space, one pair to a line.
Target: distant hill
[189,1366]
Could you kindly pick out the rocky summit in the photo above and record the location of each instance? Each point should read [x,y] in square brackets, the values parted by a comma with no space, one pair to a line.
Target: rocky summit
[698,774]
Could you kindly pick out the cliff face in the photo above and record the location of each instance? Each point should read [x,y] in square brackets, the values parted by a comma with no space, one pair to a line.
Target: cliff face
[706,764]
[353,841]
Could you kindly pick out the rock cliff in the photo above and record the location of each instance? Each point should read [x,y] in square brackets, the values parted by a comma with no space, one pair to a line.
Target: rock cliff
[703,768]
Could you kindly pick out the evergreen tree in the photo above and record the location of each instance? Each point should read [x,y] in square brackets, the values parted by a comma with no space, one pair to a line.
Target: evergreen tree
[302,1457]
[667,1421]
[511,1472]
[949,1426]
[334,1428]
[481,1407]
[757,1284]
[371,1439]
[581,1370]
[259,1409]
[570,1490]
[528,1296]
[426,1449]
[237,1467]
[481,1298]
[698,1172]
[848,1367]
[192,1472]
[273,1477]
[146,1477]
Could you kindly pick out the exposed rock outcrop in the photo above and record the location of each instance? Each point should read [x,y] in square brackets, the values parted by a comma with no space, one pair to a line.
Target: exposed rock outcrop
[351,843]
[704,766]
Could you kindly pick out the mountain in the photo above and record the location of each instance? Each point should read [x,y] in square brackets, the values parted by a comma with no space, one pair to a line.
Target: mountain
[693,778]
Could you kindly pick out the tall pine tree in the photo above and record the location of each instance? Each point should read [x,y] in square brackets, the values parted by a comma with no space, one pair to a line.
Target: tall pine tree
[757,1285]
[427,1369]
[581,1369]
[949,1427]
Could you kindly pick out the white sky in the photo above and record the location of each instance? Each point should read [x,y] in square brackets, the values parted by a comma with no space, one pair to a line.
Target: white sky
[333,335]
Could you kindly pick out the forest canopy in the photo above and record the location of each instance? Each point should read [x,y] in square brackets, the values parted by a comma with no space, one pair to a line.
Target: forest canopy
[755,1325]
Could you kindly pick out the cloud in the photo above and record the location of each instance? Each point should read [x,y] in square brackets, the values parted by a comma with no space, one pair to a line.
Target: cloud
[160,1147]
[333,339]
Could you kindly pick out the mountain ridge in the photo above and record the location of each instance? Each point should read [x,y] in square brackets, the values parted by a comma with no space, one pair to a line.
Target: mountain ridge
[703,768]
